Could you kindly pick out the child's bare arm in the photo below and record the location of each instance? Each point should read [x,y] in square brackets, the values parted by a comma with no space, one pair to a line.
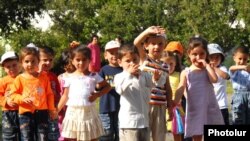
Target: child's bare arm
[104,89]
[181,87]
[63,100]
[221,73]
[239,67]
[211,73]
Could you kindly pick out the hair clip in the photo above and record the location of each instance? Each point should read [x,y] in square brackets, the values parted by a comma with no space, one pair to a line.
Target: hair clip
[74,44]
[31,45]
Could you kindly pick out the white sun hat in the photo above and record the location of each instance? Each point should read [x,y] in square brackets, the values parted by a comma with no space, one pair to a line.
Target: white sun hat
[8,55]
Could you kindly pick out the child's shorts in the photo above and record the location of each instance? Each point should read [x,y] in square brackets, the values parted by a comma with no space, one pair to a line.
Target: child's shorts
[82,123]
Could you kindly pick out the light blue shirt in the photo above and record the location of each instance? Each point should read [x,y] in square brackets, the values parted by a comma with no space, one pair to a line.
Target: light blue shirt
[240,80]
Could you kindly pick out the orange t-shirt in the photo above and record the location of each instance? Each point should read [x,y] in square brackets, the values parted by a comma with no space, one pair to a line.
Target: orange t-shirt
[55,86]
[5,84]
[37,88]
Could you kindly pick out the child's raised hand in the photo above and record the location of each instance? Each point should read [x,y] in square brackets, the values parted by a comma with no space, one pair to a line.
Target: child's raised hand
[157,74]
[212,65]
[155,30]
[134,70]
[203,62]
[248,68]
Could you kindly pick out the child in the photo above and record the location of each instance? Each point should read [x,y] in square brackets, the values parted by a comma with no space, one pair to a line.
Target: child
[216,57]
[109,103]
[46,55]
[202,106]
[176,47]
[134,87]
[10,123]
[174,70]
[240,77]
[32,92]
[81,121]
[65,67]
[153,40]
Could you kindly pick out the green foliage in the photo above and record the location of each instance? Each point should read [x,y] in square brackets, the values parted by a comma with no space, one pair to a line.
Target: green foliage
[15,15]
[211,19]
[217,21]
[74,19]
[50,39]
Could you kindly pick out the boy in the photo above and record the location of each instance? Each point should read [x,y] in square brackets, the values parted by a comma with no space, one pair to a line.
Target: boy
[134,87]
[153,40]
[109,103]
[46,55]
[10,123]
[240,78]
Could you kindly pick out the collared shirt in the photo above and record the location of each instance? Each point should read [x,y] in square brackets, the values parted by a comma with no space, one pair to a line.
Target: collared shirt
[134,110]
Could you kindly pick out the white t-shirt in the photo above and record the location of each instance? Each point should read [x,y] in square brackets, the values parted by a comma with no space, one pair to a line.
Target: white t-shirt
[80,88]
[220,90]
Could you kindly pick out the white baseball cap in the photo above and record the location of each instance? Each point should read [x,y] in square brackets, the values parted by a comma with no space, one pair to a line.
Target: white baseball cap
[8,55]
[112,44]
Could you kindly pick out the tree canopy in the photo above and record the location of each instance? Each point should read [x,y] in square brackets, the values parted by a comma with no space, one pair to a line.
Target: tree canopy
[15,15]
[226,22]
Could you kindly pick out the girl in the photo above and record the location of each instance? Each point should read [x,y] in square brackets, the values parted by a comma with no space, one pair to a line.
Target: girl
[81,121]
[174,69]
[32,92]
[66,70]
[202,107]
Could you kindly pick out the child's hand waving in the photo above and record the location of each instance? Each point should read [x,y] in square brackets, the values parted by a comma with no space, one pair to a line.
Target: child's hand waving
[155,30]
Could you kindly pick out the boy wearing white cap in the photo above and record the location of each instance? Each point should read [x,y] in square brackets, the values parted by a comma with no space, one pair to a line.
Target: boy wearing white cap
[216,57]
[109,103]
[10,124]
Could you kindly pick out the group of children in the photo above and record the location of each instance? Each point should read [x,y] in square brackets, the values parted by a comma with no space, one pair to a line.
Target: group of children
[136,88]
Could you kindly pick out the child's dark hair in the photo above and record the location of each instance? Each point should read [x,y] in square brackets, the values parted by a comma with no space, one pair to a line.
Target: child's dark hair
[64,61]
[28,51]
[94,36]
[241,49]
[72,52]
[198,41]
[177,60]
[127,49]
[47,50]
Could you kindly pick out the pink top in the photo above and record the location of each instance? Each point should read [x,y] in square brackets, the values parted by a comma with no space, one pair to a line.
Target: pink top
[95,64]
